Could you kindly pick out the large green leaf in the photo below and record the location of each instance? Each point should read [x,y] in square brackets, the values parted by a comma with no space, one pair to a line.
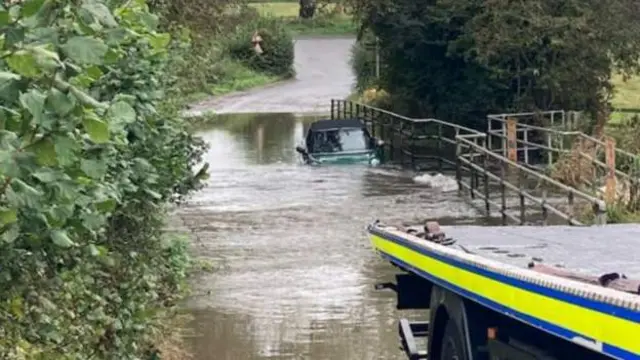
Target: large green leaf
[4,17]
[8,76]
[93,168]
[60,102]
[66,149]
[100,12]
[61,238]
[159,41]
[31,7]
[8,216]
[23,63]
[122,112]
[45,152]
[33,102]
[86,50]
[97,129]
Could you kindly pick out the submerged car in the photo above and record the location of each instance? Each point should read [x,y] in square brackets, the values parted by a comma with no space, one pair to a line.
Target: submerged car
[340,142]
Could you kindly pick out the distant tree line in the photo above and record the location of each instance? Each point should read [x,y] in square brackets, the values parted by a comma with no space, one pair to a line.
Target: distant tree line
[460,59]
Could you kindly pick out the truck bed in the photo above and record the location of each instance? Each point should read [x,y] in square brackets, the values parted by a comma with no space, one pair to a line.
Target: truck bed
[591,250]
[493,267]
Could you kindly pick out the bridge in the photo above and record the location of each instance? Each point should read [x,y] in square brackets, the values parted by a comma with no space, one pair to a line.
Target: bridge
[514,170]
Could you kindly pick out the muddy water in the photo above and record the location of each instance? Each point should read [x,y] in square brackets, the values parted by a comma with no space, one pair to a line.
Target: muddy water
[294,271]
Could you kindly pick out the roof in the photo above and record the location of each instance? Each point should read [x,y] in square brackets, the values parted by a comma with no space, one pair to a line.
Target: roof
[334,124]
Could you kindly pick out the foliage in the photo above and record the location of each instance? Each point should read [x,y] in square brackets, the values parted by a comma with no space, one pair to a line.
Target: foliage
[462,59]
[363,62]
[330,18]
[87,163]
[200,59]
[277,46]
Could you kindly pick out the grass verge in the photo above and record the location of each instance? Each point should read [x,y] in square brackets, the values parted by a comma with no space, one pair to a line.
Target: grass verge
[627,96]
[224,62]
[329,20]
[238,77]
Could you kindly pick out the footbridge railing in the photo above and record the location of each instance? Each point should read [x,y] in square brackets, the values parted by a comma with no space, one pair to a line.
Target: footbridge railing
[423,144]
[559,149]
[516,190]
[483,163]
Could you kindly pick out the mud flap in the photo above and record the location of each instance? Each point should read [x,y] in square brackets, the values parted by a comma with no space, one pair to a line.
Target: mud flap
[412,292]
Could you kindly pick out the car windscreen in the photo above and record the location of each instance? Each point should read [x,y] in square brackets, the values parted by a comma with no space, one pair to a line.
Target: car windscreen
[339,140]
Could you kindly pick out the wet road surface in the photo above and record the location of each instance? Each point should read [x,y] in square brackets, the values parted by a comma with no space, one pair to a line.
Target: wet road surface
[294,272]
[322,73]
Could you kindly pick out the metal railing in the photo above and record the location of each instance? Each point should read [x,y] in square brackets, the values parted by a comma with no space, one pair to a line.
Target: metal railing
[547,195]
[480,160]
[541,147]
[423,144]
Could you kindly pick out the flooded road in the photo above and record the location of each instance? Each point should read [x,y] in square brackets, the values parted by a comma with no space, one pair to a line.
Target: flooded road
[295,274]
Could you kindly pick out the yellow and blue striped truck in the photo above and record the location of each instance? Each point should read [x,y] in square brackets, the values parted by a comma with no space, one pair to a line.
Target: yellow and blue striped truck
[522,292]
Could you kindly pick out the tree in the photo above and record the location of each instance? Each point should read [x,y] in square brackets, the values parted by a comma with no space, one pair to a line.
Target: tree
[460,59]
[87,163]
[307,9]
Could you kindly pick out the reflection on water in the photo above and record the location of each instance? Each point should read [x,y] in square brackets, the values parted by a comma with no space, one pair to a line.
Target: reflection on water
[296,272]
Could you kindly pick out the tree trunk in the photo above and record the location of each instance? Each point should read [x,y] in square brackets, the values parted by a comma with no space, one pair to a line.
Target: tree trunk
[307,9]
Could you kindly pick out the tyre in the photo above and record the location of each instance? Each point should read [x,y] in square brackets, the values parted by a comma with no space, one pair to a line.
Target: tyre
[452,344]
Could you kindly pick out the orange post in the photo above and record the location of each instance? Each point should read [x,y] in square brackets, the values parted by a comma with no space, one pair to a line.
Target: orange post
[512,140]
[610,159]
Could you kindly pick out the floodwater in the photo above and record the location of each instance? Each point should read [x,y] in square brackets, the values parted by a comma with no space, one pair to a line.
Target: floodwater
[294,273]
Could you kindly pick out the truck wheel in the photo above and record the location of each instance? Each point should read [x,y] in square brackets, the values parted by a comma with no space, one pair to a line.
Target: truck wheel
[452,345]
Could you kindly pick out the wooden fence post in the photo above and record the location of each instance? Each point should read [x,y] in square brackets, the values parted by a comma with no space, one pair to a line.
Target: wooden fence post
[512,140]
[610,159]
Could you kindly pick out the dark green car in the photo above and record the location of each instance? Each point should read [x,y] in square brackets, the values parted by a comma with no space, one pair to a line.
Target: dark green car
[340,142]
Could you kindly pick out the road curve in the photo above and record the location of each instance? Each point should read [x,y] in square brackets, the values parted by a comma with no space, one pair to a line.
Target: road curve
[322,73]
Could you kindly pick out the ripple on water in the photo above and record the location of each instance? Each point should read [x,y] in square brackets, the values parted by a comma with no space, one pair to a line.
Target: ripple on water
[298,273]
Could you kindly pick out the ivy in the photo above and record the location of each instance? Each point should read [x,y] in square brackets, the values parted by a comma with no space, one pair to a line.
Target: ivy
[87,164]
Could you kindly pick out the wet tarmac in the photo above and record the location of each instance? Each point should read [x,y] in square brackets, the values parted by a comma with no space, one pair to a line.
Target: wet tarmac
[322,73]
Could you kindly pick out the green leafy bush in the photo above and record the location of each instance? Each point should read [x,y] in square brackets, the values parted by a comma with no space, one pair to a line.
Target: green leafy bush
[277,46]
[87,164]
[363,62]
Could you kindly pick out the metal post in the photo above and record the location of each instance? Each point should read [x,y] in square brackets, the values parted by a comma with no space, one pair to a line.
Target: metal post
[439,145]
[523,215]
[490,133]
[472,175]
[351,109]
[503,139]
[570,206]
[545,212]
[412,146]
[503,194]
[525,140]
[458,165]
[377,58]
[486,183]
[333,105]
[549,150]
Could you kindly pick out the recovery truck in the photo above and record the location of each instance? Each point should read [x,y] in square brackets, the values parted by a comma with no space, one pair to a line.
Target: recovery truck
[521,292]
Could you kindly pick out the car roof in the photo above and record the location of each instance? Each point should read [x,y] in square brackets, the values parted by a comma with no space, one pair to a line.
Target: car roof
[321,125]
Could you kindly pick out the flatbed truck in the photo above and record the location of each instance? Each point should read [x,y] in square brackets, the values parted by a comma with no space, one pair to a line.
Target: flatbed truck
[521,293]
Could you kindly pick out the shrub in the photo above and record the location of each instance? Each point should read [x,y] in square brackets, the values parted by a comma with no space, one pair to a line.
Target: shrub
[87,164]
[363,62]
[277,45]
